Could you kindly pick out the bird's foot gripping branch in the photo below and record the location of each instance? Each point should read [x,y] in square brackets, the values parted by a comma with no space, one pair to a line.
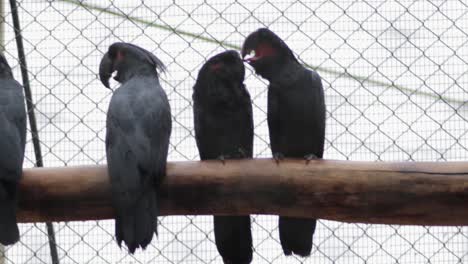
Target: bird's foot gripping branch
[413,193]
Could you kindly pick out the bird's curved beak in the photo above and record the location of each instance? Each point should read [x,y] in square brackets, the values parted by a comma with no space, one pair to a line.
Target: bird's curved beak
[245,52]
[249,50]
[105,70]
[250,56]
[249,47]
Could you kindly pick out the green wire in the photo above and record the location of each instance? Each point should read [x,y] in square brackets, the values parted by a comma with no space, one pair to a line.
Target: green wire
[345,74]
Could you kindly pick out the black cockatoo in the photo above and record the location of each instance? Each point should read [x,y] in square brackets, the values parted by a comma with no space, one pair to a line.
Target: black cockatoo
[137,140]
[12,143]
[296,118]
[224,130]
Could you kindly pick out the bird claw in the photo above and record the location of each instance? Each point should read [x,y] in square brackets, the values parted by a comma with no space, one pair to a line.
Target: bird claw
[242,152]
[310,157]
[278,156]
[222,158]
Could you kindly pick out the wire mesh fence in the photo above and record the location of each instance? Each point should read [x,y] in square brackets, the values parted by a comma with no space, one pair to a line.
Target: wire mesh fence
[396,82]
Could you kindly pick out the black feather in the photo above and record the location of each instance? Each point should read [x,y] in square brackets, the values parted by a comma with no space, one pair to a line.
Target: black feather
[128,60]
[137,142]
[12,144]
[224,127]
[296,119]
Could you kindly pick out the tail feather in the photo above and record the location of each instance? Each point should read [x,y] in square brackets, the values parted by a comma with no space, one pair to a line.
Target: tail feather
[135,226]
[233,238]
[9,233]
[296,235]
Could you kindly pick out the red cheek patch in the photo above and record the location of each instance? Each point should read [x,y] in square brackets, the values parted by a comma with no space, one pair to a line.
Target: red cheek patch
[216,66]
[120,55]
[262,50]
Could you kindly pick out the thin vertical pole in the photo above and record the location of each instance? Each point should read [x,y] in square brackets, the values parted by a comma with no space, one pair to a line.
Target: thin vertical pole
[2,48]
[31,116]
[2,26]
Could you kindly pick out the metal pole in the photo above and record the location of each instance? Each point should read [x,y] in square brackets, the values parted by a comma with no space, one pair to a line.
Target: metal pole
[31,116]
[2,26]
[2,48]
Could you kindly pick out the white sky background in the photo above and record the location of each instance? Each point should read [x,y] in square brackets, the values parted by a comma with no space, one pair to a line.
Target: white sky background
[419,45]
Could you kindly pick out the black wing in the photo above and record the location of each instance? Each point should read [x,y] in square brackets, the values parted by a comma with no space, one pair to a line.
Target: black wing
[12,129]
[12,143]
[138,134]
[138,131]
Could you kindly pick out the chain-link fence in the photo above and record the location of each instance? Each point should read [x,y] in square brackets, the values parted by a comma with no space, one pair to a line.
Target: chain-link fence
[396,80]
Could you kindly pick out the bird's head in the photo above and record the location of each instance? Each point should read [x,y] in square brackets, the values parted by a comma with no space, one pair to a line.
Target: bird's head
[127,59]
[221,78]
[265,51]
[226,66]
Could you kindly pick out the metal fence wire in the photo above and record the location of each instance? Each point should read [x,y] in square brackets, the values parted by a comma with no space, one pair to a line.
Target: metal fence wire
[396,81]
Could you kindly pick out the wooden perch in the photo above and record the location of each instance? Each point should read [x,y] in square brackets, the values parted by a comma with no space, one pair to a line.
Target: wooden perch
[365,192]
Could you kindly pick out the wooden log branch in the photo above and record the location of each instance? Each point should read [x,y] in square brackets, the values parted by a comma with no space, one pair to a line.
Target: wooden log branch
[365,192]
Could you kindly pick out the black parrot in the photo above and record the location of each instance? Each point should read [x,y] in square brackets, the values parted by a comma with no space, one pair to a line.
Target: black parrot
[137,140]
[224,129]
[296,119]
[12,143]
